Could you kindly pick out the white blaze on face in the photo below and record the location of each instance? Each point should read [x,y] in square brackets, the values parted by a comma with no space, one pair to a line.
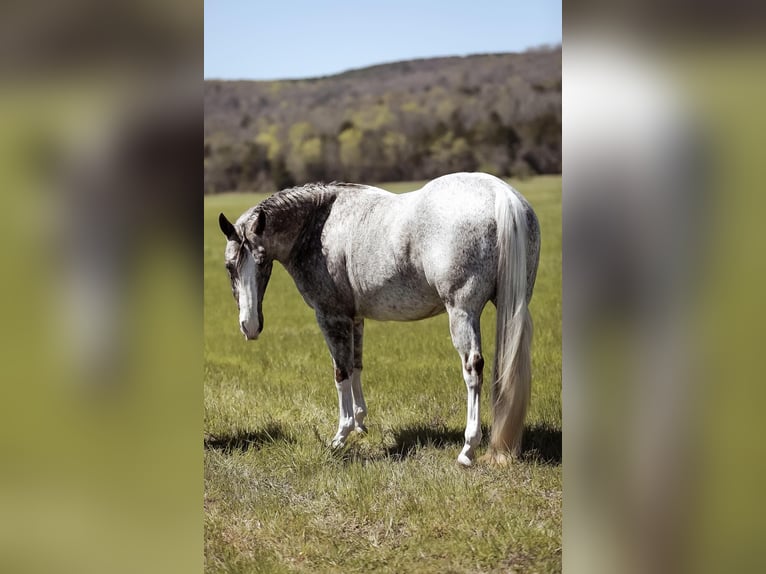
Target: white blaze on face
[248,299]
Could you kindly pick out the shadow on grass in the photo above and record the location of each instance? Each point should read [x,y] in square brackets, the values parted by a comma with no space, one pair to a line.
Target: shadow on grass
[540,443]
[245,440]
[409,439]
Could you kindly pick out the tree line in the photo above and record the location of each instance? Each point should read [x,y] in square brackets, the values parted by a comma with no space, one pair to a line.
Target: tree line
[498,113]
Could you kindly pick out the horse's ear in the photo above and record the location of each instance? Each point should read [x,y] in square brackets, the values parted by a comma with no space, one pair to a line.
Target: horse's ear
[227,228]
[260,223]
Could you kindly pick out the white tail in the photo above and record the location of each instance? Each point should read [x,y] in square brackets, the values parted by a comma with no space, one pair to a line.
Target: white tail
[512,376]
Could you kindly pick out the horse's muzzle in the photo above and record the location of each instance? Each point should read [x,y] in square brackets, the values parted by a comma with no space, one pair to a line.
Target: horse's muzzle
[247,334]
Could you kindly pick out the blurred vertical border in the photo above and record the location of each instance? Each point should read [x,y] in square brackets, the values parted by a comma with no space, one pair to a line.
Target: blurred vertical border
[101,179]
[663,147]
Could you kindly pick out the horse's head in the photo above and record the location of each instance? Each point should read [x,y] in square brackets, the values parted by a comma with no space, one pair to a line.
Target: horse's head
[249,270]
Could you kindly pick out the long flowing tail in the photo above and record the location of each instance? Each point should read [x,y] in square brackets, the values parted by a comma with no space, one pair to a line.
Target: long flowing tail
[511,386]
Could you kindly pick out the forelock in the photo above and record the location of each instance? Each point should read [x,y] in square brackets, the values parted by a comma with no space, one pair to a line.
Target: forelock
[230,252]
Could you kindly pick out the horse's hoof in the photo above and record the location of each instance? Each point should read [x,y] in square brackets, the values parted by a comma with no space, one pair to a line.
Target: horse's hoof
[361,429]
[496,458]
[337,444]
[463,460]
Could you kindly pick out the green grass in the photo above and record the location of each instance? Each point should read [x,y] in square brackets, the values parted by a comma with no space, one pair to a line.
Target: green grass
[277,499]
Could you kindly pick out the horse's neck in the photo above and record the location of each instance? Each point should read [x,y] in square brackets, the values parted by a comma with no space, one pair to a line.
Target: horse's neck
[292,227]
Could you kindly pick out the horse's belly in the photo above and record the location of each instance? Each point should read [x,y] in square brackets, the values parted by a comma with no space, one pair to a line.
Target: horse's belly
[394,306]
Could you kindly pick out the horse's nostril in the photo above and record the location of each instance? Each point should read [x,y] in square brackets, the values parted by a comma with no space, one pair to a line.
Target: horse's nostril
[242,326]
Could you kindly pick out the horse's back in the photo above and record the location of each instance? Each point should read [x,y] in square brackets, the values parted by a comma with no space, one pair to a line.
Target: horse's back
[467,190]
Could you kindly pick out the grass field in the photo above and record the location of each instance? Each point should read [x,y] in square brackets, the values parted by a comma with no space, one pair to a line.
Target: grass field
[277,499]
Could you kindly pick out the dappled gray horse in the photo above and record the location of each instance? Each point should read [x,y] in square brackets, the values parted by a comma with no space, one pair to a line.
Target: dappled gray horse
[358,252]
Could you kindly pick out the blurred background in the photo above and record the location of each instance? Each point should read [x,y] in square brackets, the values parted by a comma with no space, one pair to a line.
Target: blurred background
[396,92]
[101,408]
[402,121]
[662,283]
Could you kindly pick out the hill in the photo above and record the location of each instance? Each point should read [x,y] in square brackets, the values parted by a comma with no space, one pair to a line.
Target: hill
[416,119]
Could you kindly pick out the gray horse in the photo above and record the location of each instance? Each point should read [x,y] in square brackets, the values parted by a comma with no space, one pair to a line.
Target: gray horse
[358,252]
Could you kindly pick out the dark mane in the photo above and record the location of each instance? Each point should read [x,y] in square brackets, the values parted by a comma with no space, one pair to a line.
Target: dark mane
[280,206]
[313,193]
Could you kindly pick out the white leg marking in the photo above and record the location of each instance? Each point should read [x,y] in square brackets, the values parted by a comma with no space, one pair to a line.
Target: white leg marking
[360,407]
[473,419]
[466,337]
[345,412]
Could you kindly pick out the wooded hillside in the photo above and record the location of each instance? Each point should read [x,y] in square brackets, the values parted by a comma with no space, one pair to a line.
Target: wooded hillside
[411,120]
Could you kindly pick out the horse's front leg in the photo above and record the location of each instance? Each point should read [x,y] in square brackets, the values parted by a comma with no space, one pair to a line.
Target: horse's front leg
[360,406]
[339,333]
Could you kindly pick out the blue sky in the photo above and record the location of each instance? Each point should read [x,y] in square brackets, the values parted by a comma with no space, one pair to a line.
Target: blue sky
[299,38]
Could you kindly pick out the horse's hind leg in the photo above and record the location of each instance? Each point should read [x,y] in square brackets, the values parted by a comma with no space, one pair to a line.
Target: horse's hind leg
[339,335]
[360,407]
[466,337]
